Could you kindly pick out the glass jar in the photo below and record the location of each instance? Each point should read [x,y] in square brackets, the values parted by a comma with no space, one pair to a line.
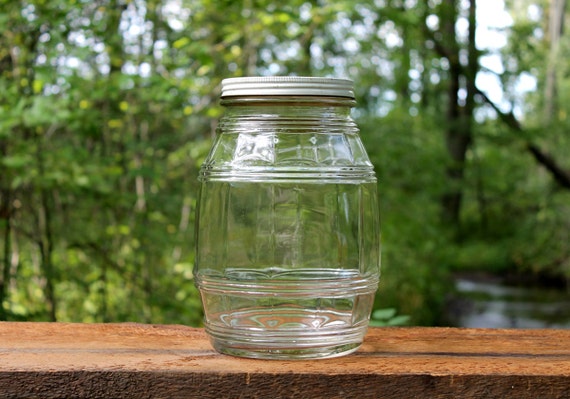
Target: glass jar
[288,241]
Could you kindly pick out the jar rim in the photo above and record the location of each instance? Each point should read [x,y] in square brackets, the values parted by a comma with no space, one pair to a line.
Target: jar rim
[287,86]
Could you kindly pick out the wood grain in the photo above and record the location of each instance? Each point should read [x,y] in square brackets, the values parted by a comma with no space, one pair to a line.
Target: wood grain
[57,360]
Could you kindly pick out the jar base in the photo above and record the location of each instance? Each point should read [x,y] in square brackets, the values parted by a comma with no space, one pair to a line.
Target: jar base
[226,347]
[286,344]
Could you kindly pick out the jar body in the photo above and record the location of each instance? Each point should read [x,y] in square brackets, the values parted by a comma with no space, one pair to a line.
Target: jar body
[287,255]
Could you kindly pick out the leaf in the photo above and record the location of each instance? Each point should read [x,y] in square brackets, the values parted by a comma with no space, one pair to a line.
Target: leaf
[183,41]
[16,161]
[377,323]
[384,314]
[37,86]
[398,320]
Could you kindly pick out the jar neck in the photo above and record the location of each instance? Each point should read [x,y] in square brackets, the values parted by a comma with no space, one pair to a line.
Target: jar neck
[289,106]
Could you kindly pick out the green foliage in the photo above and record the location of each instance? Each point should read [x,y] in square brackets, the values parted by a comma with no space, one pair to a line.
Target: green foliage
[388,318]
[107,110]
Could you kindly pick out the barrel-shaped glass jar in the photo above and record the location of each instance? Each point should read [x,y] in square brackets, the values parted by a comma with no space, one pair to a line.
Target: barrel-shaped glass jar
[287,226]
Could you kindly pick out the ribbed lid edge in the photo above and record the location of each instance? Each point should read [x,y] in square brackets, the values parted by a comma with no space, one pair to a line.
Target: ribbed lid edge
[287,86]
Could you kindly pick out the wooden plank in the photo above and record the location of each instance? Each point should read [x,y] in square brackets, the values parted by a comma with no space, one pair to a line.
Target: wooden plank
[57,360]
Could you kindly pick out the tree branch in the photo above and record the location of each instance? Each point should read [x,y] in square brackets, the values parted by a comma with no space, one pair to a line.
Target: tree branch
[560,175]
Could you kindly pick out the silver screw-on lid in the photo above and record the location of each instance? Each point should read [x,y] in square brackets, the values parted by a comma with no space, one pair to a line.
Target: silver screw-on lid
[287,86]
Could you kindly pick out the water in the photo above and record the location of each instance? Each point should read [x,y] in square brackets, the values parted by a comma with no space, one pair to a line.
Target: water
[283,313]
[488,302]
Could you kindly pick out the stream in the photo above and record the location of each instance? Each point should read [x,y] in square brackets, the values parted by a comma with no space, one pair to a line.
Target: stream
[483,301]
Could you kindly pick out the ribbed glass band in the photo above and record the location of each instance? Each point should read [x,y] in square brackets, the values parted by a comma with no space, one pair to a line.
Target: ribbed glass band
[287,86]
[295,175]
[303,288]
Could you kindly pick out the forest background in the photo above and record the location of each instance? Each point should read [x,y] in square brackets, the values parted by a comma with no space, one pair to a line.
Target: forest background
[108,108]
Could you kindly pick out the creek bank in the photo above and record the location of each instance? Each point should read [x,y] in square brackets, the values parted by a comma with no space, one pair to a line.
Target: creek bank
[485,300]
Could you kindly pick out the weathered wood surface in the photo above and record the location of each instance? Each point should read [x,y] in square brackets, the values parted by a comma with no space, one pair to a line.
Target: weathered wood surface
[55,360]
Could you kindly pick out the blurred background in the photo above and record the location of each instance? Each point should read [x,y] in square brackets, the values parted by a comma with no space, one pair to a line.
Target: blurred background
[108,107]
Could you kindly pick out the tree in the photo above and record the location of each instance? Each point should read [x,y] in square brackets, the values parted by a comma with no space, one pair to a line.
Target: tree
[107,109]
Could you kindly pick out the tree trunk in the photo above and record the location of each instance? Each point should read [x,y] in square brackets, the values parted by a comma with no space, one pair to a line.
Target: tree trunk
[555,31]
[45,238]
[459,112]
[7,243]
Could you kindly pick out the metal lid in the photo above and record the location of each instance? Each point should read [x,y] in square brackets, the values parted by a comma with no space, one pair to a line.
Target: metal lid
[287,86]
